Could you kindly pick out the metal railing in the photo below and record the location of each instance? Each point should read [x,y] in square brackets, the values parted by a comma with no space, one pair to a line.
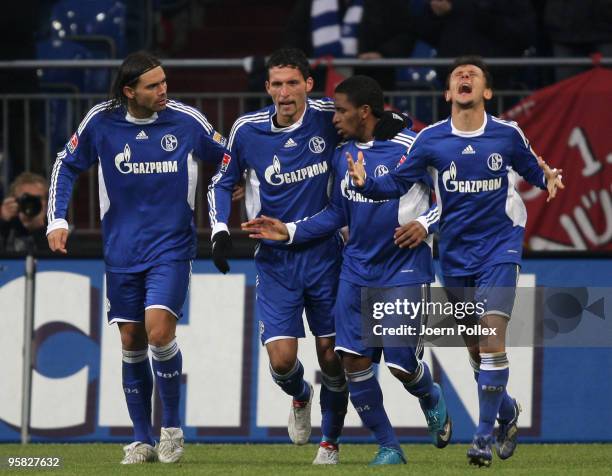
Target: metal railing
[194,63]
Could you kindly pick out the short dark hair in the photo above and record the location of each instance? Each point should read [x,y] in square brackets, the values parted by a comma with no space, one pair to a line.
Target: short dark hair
[361,90]
[473,60]
[133,66]
[291,58]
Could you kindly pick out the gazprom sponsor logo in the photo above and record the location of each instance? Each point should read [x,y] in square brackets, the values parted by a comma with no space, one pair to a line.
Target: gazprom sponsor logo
[352,194]
[125,166]
[451,184]
[275,176]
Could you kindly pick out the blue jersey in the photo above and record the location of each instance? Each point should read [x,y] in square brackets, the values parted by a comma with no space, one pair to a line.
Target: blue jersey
[147,178]
[482,216]
[287,169]
[370,257]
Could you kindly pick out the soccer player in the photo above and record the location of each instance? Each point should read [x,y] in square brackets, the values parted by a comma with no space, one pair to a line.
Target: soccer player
[285,150]
[144,146]
[372,260]
[474,158]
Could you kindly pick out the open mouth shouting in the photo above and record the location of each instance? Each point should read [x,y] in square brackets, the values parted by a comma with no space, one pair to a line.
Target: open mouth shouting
[465,89]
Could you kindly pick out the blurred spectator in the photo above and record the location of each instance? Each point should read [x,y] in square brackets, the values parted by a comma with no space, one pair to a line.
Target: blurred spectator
[176,20]
[367,29]
[22,214]
[325,27]
[578,28]
[489,28]
[386,31]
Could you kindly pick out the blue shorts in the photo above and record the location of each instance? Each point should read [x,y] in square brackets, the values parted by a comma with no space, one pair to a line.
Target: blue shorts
[495,287]
[162,286]
[290,281]
[350,332]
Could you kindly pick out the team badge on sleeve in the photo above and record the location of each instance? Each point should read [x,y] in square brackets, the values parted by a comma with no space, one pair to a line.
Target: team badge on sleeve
[225,162]
[218,138]
[73,143]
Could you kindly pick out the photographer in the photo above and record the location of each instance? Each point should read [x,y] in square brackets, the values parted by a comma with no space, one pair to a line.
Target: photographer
[22,214]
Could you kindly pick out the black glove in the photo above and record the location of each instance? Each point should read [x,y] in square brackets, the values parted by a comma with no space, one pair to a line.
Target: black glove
[221,248]
[390,124]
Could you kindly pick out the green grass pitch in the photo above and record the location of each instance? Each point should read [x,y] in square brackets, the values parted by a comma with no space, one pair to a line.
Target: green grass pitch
[103,459]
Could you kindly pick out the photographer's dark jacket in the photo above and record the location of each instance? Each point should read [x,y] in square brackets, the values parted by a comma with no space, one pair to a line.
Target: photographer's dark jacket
[14,237]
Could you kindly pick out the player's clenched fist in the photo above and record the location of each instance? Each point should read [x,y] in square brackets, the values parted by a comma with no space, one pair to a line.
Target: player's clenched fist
[356,169]
[57,241]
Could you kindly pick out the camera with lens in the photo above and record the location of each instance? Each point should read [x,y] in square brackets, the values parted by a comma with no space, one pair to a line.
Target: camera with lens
[29,205]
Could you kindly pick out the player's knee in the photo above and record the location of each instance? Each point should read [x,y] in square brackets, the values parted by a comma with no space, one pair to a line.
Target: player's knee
[282,364]
[397,373]
[159,336]
[325,344]
[133,337]
[402,375]
[325,350]
[327,355]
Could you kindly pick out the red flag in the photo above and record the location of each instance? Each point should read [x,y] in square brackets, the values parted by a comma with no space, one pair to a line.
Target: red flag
[569,124]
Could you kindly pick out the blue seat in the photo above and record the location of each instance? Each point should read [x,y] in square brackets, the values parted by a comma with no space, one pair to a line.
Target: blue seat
[420,78]
[62,118]
[65,78]
[101,24]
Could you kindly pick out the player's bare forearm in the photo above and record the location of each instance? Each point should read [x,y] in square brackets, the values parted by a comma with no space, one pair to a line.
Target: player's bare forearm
[266,228]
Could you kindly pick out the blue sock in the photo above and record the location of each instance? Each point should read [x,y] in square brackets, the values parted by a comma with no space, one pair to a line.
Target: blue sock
[506,408]
[293,382]
[422,386]
[492,382]
[138,388]
[334,402]
[168,367]
[367,398]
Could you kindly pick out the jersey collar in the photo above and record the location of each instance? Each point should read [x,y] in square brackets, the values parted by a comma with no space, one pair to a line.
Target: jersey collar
[135,120]
[364,145]
[290,128]
[475,133]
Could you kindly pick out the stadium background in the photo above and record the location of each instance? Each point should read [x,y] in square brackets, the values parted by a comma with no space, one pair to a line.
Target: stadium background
[76,394]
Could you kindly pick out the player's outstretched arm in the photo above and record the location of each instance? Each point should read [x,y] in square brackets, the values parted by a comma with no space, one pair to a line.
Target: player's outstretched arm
[266,228]
[356,169]
[57,240]
[554,179]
